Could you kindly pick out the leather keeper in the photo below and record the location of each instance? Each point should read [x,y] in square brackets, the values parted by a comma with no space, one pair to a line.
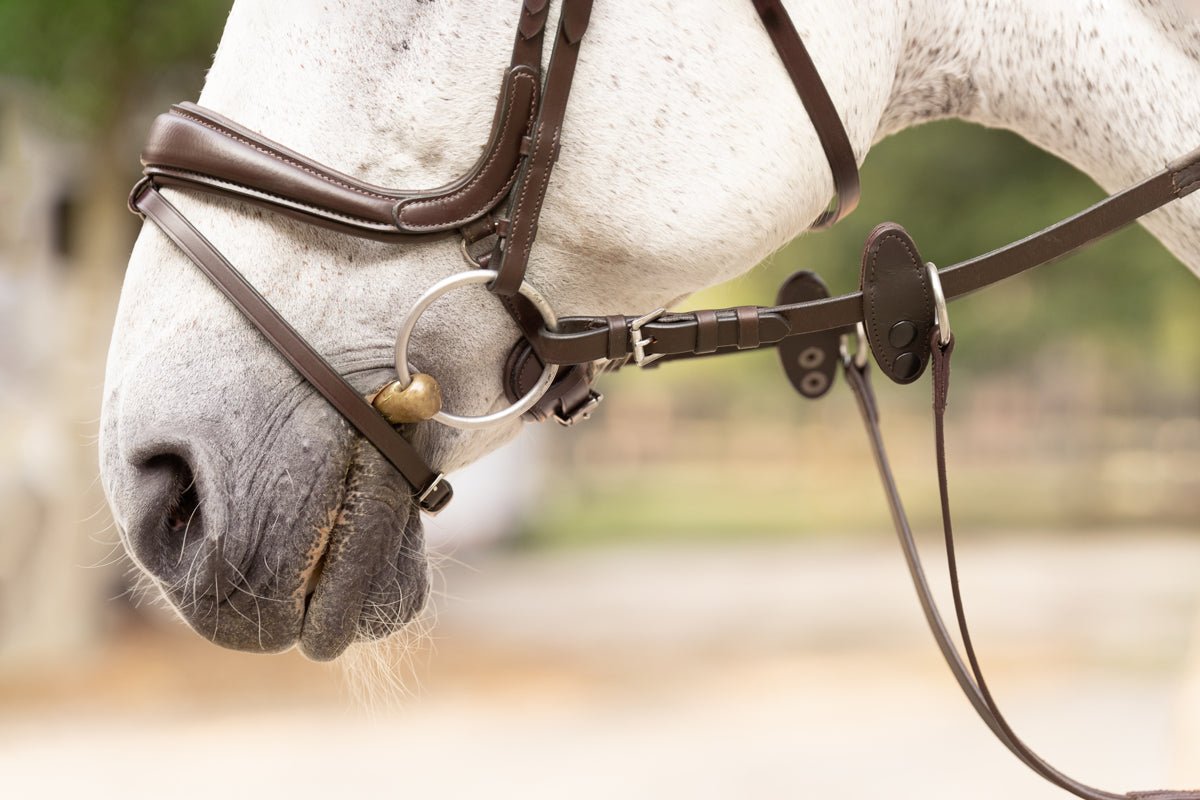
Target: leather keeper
[618,337]
[898,307]
[707,332]
[748,337]
[809,360]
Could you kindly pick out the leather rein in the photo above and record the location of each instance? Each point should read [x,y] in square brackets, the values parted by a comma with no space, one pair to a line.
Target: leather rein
[899,316]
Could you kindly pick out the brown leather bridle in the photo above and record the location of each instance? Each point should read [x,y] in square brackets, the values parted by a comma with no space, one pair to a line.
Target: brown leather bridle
[899,314]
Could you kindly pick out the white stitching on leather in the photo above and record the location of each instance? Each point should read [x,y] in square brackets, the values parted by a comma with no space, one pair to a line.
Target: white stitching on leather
[449,198]
[281,158]
[248,191]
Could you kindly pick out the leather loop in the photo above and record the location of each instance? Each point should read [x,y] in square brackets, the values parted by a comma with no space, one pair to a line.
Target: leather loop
[707,340]
[747,328]
[618,337]
[198,148]
[478,230]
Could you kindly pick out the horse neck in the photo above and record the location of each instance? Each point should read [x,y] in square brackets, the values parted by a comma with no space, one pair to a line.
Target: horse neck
[1107,86]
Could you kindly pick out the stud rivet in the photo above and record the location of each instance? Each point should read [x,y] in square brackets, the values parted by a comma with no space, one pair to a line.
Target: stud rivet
[902,334]
[906,366]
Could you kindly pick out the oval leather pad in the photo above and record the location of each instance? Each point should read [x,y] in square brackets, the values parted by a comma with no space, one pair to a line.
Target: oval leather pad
[898,310]
[810,360]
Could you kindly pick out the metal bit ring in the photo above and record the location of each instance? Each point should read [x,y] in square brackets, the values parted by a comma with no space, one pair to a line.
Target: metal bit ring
[472,278]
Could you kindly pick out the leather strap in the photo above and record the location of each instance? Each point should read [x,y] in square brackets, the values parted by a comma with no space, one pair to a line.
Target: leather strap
[581,339]
[200,149]
[510,257]
[431,490]
[531,34]
[971,680]
[1178,180]
[821,110]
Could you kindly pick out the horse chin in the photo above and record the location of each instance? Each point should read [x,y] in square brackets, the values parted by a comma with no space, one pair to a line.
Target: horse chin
[371,577]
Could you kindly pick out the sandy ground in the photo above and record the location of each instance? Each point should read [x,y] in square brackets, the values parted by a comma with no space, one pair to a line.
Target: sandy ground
[758,670]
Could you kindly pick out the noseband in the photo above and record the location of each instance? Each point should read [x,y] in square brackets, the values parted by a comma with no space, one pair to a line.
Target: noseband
[899,315]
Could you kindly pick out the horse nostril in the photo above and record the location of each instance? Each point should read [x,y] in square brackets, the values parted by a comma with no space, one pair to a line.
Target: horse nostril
[170,522]
[185,510]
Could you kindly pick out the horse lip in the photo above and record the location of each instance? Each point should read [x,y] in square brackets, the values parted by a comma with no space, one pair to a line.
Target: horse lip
[346,563]
[329,612]
[314,576]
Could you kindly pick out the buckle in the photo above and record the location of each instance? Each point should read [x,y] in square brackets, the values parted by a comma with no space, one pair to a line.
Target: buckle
[434,497]
[640,357]
[581,412]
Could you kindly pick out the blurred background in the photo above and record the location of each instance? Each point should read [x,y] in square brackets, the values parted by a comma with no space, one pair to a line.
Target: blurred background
[631,624]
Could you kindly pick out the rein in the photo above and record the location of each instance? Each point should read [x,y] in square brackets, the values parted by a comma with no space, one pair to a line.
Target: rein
[899,315]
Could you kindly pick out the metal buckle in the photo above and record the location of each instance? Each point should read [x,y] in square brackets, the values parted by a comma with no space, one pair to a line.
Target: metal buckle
[638,344]
[939,303]
[465,248]
[580,413]
[433,508]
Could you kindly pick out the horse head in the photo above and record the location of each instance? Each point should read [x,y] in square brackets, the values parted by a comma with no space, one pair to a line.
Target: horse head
[266,520]
[686,158]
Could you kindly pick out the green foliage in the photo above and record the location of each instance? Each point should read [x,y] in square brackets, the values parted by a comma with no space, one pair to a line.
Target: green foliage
[91,55]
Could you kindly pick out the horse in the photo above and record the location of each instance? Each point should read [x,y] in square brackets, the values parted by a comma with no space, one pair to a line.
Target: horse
[686,159]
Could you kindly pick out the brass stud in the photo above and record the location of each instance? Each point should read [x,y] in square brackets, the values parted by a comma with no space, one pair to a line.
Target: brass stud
[417,402]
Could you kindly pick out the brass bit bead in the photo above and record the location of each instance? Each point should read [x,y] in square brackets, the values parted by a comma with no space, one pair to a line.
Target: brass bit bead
[417,402]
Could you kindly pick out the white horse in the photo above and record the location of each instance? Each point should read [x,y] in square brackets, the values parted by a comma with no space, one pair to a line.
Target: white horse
[687,158]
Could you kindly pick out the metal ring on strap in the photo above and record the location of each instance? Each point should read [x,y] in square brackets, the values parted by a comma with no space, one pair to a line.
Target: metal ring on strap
[939,303]
[861,348]
[471,278]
